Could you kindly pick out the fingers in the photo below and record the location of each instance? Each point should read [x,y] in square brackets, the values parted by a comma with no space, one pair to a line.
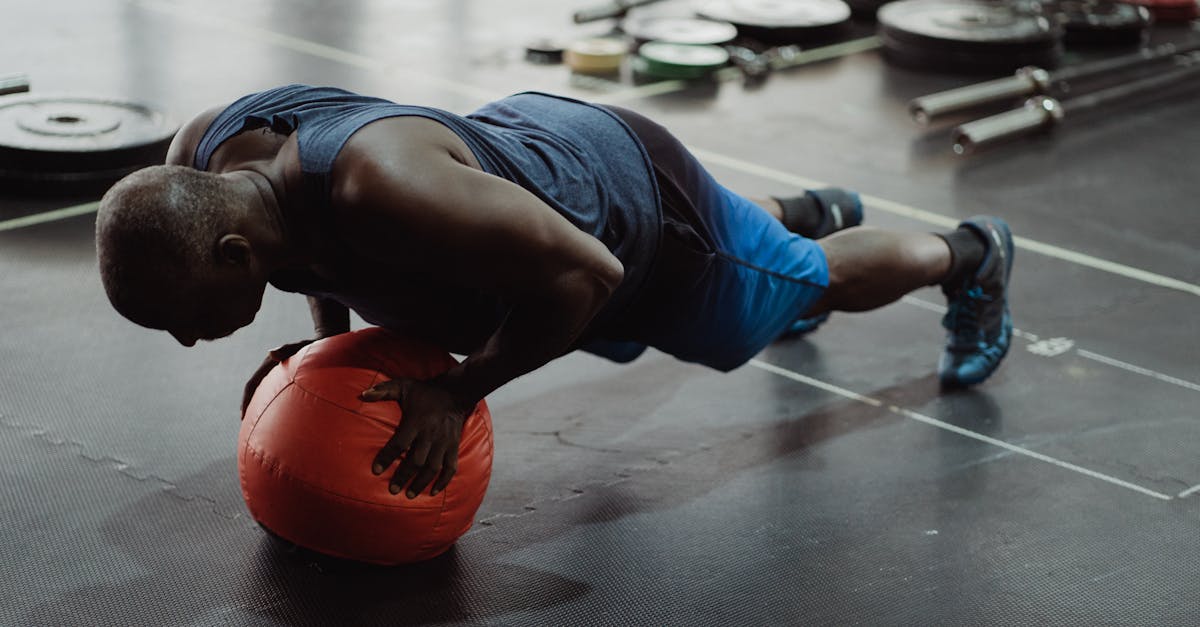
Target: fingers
[395,447]
[440,464]
[449,467]
[413,463]
[287,350]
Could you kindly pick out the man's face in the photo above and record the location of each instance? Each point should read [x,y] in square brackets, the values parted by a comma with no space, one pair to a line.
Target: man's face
[215,307]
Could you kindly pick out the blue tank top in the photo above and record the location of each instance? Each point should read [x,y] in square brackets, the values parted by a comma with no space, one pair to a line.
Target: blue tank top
[578,158]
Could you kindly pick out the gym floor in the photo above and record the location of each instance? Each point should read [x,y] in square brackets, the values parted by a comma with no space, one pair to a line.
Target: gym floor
[829,481]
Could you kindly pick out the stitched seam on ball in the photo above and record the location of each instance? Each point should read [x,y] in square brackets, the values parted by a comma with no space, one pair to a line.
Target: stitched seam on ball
[258,418]
[274,468]
[354,410]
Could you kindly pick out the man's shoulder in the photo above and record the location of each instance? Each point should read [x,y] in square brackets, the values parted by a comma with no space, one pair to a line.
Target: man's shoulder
[183,147]
[395,151]
[402,135]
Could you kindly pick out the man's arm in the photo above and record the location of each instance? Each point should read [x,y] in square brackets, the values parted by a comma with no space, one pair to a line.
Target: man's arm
[329,317]
[183,146]
[418,208]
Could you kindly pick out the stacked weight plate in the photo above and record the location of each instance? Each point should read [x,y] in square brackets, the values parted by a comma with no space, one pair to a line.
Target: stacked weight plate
[781,22]
[1099,22]
[968,35]
[1171,10]
[600,55]
[660,59]
[681,30]
[680,47]
[77,142]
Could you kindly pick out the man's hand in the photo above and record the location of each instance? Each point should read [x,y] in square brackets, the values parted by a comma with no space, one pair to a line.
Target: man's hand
[274,356]
[429,433]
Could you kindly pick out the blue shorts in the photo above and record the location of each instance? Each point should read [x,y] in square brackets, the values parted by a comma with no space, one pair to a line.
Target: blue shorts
[728,278]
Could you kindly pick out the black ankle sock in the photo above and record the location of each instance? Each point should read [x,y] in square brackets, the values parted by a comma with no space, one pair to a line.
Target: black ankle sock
[967,248]
[801,214]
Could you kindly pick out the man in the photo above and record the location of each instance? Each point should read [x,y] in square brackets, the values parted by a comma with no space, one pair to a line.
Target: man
[534,226]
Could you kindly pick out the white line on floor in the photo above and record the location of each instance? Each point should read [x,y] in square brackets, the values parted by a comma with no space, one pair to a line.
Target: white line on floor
[924,304]
[929,217]
[1188,492]
[1138,369]
[908,413]
[48,216]
[1116,363]
[645,91]
[315,49]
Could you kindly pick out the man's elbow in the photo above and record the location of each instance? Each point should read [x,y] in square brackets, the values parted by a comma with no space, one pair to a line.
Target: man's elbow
[593,283]
[610,274]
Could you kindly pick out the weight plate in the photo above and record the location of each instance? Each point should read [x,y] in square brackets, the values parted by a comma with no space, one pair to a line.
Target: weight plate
[1170,10]
[544,52]
[967,25]
[1100,21]
[73,138]
[864,9]
[709,57]
[920,57]
[682,30]
[601,55]
[667,60]
[14,84]
[778,22]
[1163,3]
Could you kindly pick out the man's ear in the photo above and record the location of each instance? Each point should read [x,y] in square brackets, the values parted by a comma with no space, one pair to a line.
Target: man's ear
[234,249]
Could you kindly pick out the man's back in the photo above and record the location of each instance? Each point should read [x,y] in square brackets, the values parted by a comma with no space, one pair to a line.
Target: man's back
[566,153]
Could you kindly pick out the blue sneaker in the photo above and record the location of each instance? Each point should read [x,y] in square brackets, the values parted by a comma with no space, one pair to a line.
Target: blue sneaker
[804,326]
[978,324]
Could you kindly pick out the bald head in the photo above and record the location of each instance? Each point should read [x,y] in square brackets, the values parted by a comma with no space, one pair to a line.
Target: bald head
[157,232]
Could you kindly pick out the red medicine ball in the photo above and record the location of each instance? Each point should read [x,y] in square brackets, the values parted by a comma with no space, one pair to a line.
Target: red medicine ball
[307,443]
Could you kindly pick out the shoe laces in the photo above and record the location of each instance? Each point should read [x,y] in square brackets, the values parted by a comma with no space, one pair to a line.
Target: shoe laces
[962,315]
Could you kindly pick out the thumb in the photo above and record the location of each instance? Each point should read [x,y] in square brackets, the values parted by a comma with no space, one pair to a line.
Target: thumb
[383,391]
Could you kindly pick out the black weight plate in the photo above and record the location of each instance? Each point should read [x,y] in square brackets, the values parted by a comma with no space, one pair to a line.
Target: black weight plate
[780,22]
[544,52]
[70,138]
[865,9]
[1171,10]
[1100,21]
[919,57]
[682,30]
[967,25]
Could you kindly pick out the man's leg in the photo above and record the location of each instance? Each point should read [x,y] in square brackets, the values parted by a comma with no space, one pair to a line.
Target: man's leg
[763,277]
[816,214]
[869,268]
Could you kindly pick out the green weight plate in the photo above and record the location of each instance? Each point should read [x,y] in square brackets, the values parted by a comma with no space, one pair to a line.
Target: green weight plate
[667,60]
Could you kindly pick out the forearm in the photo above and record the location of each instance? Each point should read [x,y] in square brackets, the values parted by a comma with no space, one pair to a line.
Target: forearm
[535,332]
[329,316]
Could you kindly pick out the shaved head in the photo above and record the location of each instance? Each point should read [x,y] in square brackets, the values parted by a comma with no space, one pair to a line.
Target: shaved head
[156,234]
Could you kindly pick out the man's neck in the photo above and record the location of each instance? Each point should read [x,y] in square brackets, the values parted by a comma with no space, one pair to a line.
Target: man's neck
[266,221]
